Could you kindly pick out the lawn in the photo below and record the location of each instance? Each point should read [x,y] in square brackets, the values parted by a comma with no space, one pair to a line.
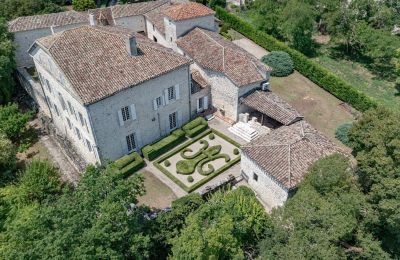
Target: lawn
[158,195]
[383,91]
[199,160]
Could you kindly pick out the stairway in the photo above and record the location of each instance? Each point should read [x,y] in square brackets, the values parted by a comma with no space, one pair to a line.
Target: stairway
[244,131]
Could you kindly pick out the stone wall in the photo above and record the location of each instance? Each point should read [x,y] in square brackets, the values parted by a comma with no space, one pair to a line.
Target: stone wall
[136,23]
[267,188]
[154,32]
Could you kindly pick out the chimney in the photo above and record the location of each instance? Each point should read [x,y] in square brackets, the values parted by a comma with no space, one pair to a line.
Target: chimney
[131,46]
[92,20]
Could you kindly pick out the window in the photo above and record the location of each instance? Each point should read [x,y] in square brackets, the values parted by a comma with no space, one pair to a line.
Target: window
[255,177]
[48,85]
[159,102]
[155,39]
[125,113]
[78,133]
[86,125]
[171,93]
[170,39]
[81,119]
[71,109]
[89,145]
[130,142]
[56,109]
[172,120]
[154,27]
[69,123]
[201,103]
[63,105]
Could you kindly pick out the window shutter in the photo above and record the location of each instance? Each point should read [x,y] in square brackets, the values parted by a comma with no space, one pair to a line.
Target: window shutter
[198,105]
[205,104]
[133,111]
[155,104]
[177,91]
[179,119]
[163,100]
[166,96]
[121,121]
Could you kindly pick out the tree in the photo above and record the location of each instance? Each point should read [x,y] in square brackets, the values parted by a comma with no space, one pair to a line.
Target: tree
[321,221]
[298,25]
[375,141]
[215,3]
[83,5]
[342,132]
[13,122]
[281,63]
[11,9]
[98,219]
[229,225]
[7,63]
[7,160]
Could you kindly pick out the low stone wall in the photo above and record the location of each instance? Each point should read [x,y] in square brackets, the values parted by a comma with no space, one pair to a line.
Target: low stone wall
[227,182]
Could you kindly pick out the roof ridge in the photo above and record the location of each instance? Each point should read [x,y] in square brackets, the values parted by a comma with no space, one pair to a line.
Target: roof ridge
[264,145]
[223,48]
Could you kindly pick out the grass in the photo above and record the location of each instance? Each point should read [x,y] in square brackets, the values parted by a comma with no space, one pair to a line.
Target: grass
[158,195]
[320,108]
[383,91]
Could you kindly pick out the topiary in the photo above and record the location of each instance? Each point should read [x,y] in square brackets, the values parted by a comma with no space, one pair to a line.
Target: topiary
[342,133]
[167,163]
[211,136]
[235,151]
[190,178]
[281,63]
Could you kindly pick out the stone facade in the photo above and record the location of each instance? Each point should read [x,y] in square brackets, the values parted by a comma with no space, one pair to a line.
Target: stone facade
[150,124]
[267,189]
[135,23]
[154,34]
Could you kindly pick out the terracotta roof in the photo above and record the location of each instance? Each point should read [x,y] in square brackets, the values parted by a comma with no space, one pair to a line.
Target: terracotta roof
[136,8]
[286,153]
[273,106]
[97,64]
[188,10]
[198,78]
[212,51]
[27,23]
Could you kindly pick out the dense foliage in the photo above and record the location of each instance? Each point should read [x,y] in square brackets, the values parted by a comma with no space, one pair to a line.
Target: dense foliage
[83,5]
[7,63]
[11,9]
[228,226]
[303,64]
[360,29]
[342,131]
[13,121]
[280,62]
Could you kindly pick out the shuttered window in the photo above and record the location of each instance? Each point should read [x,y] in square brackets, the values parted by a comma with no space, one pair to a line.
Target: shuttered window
[125,113]
[130,142]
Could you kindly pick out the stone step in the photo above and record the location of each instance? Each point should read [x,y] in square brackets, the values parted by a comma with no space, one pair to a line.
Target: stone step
[244,131]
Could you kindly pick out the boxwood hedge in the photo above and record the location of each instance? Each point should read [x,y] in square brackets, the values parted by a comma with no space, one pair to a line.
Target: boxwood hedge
[315,72]
[129,164]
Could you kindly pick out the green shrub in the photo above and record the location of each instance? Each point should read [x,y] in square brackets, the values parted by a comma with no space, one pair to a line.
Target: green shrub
[211,136]
[83,5]
[129,164]
[195,127]
[342,131]
[280,62]
[235,151]
[190,178]
[150,152]
[167,163]
[315,72]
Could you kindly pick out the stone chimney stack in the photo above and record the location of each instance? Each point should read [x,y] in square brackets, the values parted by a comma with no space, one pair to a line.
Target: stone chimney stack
[131,45]
[92,20]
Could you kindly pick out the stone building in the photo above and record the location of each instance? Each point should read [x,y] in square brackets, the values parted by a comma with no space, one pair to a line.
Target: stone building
[106,87]
[275,163]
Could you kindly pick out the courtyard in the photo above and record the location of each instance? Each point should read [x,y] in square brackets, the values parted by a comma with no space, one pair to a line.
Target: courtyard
[199,160]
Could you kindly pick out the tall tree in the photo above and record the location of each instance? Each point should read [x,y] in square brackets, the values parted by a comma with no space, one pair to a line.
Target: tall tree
[7,63]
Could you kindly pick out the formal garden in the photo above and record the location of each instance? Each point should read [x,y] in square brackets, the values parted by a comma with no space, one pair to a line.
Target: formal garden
[203,154]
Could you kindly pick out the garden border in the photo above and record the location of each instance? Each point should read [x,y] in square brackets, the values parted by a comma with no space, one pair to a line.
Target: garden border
[158,165]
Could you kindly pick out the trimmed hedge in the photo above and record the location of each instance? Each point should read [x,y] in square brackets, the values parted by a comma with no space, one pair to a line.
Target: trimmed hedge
[281,63]
[152,151]
[195,127]
[129,164]
[315,72]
